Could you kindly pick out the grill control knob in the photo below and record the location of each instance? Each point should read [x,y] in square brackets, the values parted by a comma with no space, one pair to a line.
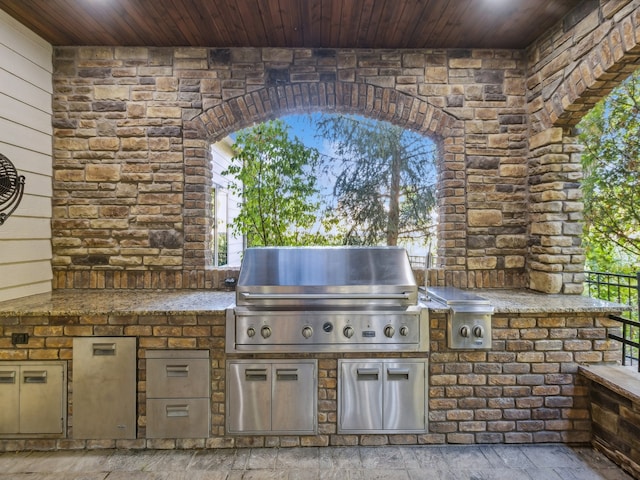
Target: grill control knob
[307,332]
[251,332]
[478,331]
[265,331]
[404,330]
[348,331]
[464,331]
[389,331]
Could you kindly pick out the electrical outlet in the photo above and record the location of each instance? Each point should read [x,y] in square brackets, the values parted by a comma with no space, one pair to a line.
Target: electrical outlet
[19,338]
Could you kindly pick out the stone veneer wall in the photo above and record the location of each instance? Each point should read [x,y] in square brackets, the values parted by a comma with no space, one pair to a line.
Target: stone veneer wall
[581,60]
[570,68]
[525,390]
[133,128]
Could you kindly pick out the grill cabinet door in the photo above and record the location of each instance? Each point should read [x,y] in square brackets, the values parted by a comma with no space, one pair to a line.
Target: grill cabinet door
[293,397]
[9,399]
[360,396]
[404,396]
[41,398]
[104,387]
[249,397]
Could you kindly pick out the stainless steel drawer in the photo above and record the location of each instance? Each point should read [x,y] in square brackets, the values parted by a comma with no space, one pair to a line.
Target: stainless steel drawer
[178,373]
[178,418]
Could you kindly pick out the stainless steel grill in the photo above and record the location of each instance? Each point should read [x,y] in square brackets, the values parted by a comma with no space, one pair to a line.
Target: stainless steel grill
[326,299]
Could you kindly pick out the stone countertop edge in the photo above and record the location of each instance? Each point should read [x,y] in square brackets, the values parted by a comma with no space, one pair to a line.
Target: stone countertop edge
[622,380]
[68,302]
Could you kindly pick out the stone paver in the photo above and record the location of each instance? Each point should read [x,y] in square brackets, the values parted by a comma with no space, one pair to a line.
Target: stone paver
[477,462]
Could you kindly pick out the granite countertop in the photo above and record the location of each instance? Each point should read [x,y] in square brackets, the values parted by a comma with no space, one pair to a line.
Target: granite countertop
[138,302]
[527,301]
[202,302]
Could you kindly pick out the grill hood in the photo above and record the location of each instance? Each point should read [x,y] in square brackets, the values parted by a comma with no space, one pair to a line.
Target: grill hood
[293,277]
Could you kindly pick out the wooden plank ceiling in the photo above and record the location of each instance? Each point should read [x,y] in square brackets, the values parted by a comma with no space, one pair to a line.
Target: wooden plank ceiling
[292,23]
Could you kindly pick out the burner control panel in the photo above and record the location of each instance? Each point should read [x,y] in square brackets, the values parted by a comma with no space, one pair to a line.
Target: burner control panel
[325,331]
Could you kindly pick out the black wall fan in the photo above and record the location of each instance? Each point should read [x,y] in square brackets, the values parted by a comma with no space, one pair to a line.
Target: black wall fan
[11,188]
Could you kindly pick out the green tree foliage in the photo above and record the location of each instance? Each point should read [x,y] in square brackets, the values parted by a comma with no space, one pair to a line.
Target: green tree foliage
[278,192]
[610,133]
[385,186]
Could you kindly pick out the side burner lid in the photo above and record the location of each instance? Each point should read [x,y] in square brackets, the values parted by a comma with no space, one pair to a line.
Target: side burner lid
[459,300]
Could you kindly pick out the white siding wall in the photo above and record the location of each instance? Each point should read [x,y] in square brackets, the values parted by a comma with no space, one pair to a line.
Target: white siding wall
[25,138]
[221,154]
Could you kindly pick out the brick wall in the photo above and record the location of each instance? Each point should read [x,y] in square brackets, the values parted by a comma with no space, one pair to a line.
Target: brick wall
[525,390]
[133,128]
[556,258]
[581,60]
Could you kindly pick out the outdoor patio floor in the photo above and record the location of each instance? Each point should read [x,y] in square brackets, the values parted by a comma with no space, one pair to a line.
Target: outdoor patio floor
[478,462]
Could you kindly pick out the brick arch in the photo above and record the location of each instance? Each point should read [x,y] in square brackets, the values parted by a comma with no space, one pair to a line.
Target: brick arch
[371,101]
[576,65]
[570,69]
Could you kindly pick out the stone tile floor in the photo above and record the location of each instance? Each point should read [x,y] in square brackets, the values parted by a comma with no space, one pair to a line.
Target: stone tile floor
[478,462]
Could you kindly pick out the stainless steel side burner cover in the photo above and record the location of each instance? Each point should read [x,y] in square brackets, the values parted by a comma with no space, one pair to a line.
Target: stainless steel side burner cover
[469,320]
[326,299]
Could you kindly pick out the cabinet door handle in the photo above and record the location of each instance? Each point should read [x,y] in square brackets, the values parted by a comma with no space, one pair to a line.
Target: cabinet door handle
[287,374]
[8,377]
[398,373]
[177,370]
[103,349]
[35,376]
[255,374]
[368,373]
[177,410]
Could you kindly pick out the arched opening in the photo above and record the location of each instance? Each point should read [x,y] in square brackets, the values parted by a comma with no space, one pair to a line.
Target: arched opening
[371,102]
[350,180]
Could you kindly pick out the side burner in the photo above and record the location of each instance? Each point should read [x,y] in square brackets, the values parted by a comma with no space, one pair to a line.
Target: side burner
[469,320]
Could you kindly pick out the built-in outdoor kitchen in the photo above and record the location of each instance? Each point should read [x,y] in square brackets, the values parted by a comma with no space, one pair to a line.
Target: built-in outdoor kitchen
[313,347]
[131,339]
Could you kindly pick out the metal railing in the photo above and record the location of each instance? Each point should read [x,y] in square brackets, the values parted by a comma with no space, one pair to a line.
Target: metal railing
[623,289]
[417,261]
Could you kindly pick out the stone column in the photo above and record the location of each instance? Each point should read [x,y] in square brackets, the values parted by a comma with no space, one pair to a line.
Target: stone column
[556,258]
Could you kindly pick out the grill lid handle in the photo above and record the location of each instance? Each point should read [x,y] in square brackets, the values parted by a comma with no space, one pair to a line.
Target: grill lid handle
[326,296]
